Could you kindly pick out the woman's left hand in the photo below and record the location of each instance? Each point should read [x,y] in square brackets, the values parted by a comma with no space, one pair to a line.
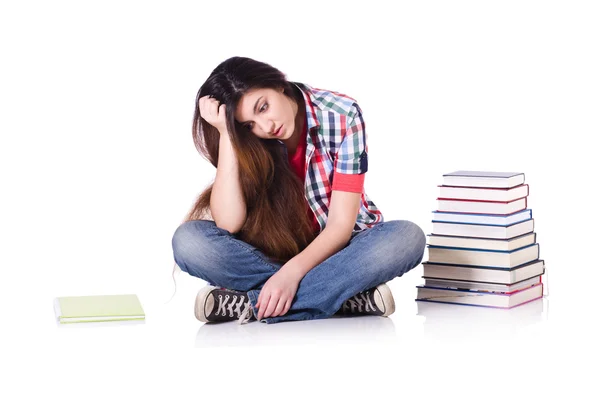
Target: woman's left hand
[277,294]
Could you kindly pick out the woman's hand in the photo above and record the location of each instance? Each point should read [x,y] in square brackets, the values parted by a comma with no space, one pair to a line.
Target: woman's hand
[277,294]
[213,113]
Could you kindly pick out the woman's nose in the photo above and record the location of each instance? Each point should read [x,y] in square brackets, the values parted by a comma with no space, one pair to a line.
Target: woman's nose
[266,126]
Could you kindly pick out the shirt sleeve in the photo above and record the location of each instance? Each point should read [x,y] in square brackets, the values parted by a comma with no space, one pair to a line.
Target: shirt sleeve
[351,161]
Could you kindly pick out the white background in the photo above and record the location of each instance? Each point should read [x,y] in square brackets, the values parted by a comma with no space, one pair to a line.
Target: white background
[98,169]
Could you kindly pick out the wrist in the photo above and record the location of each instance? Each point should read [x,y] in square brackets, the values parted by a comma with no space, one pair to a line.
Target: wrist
[294,270]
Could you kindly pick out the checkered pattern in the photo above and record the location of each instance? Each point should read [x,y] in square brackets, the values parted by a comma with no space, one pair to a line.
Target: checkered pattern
[336,144]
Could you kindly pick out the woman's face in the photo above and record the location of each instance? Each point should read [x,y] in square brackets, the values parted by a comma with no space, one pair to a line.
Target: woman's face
[267,113]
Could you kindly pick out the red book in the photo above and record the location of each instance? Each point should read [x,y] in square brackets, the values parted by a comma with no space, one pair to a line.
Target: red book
[484,193]
[482,207]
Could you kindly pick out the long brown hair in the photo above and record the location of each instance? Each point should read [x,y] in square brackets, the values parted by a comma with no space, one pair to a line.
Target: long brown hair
[277,221]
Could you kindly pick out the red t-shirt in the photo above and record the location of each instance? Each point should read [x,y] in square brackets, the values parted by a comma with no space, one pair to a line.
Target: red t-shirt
[298,163]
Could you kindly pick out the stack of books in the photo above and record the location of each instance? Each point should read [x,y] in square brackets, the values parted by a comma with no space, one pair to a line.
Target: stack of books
[482,249]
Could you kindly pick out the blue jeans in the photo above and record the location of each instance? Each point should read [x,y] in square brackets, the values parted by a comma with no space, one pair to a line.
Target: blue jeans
[372,256]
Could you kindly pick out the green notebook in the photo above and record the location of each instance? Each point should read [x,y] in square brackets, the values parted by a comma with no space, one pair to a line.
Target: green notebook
[96,308]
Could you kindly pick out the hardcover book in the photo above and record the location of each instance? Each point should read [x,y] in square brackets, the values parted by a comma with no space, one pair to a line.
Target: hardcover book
[485,231]
[487,258]
[473,285]
[480,298]
[484,274]
[482,219]
[98,308]
[482,243]
[484,179]
[482,207]
[484,194]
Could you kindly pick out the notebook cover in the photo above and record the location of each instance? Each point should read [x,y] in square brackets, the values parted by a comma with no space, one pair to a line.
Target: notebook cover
[100,306]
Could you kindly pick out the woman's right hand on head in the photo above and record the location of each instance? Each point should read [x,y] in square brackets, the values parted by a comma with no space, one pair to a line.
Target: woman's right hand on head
[213,112]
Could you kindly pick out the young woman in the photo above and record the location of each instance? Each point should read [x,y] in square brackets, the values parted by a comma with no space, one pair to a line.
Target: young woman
[286,231]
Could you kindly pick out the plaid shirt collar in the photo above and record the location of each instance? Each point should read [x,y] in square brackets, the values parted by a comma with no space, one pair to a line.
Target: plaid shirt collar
[310,103]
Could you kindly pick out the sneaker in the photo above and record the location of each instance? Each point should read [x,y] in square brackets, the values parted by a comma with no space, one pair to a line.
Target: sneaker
[377,301]
[215,304]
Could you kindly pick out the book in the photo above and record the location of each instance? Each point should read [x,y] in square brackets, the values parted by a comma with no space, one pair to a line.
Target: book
[483,274]
[488,258]
[482,243]
[484,219]
[484,179]
[473,285]
[486,231]
[480,298]
[98,308]
[482,207]
[484,193]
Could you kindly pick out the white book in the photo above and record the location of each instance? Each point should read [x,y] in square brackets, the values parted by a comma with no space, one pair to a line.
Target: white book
[485,231]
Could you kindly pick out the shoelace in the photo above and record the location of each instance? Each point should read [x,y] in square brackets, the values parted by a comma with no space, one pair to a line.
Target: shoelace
[234,309]
[246,315]
[359,303]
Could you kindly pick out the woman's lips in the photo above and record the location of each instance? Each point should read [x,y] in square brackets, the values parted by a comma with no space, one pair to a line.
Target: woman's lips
[278,131]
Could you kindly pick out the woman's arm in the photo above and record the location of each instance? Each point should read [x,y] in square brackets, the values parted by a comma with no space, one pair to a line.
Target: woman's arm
[227,204]
[277,294]
[341,219]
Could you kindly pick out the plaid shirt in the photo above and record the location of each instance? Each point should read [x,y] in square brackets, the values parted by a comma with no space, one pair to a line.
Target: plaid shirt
[336,153]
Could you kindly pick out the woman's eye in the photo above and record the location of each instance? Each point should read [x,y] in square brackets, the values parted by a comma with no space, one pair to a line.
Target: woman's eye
[264,107]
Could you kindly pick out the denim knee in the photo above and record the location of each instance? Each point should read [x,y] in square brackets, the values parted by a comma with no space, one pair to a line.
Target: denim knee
[414,240]
[191,246]
[405,244]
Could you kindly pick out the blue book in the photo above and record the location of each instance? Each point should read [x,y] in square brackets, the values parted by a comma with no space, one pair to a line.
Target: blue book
[478,286]
[482,219]
[483,274]
[484,231]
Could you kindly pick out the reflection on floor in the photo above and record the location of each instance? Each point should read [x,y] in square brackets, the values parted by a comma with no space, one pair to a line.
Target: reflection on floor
[357,330]
[452,322]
